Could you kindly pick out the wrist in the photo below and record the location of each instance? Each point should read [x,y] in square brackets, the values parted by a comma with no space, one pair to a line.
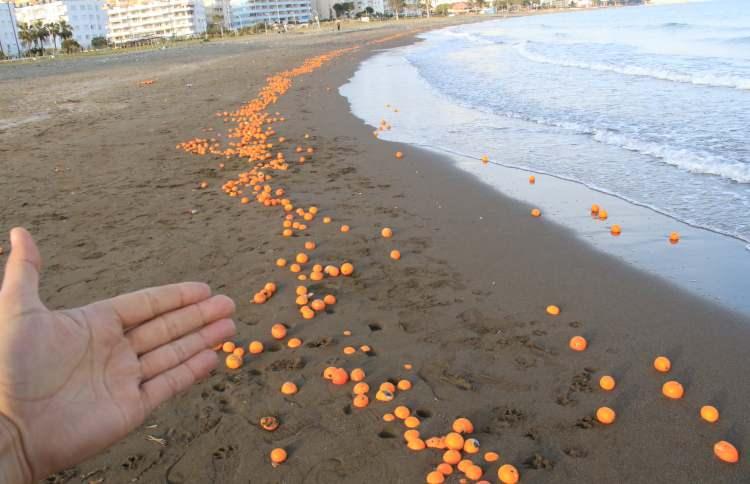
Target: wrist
[14,466]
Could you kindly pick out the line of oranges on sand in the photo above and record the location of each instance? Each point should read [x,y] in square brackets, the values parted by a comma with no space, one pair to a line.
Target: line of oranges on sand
[254,132]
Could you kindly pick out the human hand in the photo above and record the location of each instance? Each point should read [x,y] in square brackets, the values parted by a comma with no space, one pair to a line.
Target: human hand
[73,382]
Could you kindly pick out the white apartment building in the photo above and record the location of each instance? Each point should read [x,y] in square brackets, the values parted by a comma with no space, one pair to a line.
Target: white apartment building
[246,13]
[155,19]
[86,17]
[218,12]
[10,44]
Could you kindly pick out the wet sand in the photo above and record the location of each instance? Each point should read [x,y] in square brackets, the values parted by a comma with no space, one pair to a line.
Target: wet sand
[115,207]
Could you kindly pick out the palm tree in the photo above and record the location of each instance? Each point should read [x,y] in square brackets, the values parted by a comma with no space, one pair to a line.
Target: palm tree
[41,34]
[54,31]
[26,34]
[66,30]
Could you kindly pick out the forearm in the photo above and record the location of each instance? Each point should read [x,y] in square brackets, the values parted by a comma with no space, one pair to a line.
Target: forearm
[14,468]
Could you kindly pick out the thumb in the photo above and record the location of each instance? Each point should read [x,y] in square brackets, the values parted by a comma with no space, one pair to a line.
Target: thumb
[21,278]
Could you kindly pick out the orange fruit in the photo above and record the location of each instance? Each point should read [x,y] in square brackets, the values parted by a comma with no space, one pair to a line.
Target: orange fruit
[384,396]
[407,366]
[463,425]
[399,155]
[485,159]
[301,300]
[435,477]
[349,350]
[233,361]
[411,435]
[395,254]
[578,343]
[259,298]
[357,374]
[280,262]
[454,441]
[270,287]
[387,386]
[471,446]
[295,268]
[255,347]
[662,364]
[345,228]
[464,465]
[508,474]
[553,310]
[278,456]
[595,208]
[444,468]
[474,472]
[278,331]
[361,388]
[389,417]
[329,299]
[603,214]
[673,390]
[326,220]
[289,388]
[616,229]
[318,305]
[332,271]
[605,415]
[435,443]
[365,349]
[340,377]
[416,444]
[709,413]
[294,343]
[347,269]
[607,383]
[361,400]
[726,452]
[239,352]
[386,233]
[452,456]
[401,412]
[301,291]
[411,422]
[532,179]
[674,237]
[404,385]
[228,347]
[269,423]
[491,456]
[329,372]
[536,212]
[302,258]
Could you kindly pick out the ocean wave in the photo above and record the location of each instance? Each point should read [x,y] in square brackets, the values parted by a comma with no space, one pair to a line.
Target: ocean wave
[738,40]
[674,25]
[692,161]
[707,79]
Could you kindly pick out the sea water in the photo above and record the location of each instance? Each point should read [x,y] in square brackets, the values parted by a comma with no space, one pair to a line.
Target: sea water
[648,104]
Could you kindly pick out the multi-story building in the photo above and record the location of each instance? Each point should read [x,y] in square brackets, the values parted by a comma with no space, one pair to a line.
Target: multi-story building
[10,44]
[218,13]
[378,6]
[87,18]
[246,13]
[141,20]
[324,9]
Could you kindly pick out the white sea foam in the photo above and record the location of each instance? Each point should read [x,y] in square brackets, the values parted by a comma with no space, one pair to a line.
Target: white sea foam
[706,79]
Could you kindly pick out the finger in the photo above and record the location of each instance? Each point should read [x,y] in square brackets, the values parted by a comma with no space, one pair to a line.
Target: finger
[138,307]
[178,351]
[173,325]
[21,277]
[166,385]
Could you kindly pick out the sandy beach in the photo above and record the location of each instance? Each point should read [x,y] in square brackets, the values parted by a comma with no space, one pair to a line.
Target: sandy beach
[90,167]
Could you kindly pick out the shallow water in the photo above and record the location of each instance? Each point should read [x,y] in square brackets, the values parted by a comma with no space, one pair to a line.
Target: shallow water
[477,96]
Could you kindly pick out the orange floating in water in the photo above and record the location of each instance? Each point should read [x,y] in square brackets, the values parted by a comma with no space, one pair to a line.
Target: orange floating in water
[294,343]
[485,159]
[595,209]
[673,390]
[347,269]
[553,310]
[386,233]
[403,385]
[616,229]
[444,468]
[416,444]
[345,228]
[452,456]
[412,422]
[389,417]
[578,343]
[399,155]
[395,255]
[454,441]
[709,413]
[280,262]
[278,457]
[349,350]
[674,237]
[726,452]
[603,214]
[228,347]
[361,388]
[357,374]
[662,364]
[411,435]
[474,472]
[471,446]
[340,376]
[607,383]
[605,415]
[532,179]
[360,401]
[402,412]
[491,456]
[310,245]
[508,474]
[536,212]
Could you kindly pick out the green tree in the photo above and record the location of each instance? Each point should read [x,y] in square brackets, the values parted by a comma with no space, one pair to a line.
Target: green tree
[369,10]
[339,9]
[66,30]
[442,9]
[41,34]
[26,34]
[70,46]
[54,31]
[99,42]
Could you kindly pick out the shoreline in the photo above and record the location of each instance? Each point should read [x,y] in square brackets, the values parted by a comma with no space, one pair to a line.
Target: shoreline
[465,305]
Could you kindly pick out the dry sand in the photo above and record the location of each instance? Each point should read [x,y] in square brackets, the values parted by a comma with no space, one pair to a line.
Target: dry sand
[90,167]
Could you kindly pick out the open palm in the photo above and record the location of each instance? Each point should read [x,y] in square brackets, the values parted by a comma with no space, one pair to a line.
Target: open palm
[73,382]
